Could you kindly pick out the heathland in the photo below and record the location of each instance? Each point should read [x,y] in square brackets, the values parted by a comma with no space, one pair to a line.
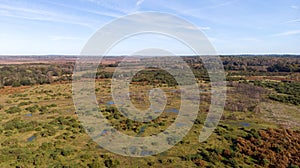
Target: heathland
[259,127]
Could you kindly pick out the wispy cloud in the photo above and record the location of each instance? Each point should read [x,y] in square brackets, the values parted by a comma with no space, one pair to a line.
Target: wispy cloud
[223,4]
[40,15]
[251,39]
[202,10]
[123,7]
[231,25]
[97,12]
[204,28]
[293,21]
[287,33]
[189,27]
[139,2]
[294,7]
[57,38]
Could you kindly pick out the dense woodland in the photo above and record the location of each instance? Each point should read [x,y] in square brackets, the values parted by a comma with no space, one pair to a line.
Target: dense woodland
[30,74]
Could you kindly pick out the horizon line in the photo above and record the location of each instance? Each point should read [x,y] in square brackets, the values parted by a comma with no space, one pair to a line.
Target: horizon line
[76,55]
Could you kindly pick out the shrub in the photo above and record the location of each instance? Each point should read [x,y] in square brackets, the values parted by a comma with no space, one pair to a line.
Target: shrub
[293,166]
[20,125]
[16,84]
[95,164]
[32,108]
[52,105]
[111,163]
[43,109]
[13,110]
[25,82]
[24,103]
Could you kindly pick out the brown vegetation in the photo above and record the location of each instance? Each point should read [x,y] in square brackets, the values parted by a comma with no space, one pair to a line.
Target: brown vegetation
[272,147]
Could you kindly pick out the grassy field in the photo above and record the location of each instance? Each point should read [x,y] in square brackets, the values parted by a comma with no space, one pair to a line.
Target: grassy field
[39,127]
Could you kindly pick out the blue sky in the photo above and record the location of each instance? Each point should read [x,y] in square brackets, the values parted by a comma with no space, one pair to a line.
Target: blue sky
[32,27]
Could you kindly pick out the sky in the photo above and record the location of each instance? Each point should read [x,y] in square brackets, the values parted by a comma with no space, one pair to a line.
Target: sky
[46,27]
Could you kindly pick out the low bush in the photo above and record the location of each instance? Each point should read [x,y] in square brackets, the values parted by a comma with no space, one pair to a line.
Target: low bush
[12,110]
